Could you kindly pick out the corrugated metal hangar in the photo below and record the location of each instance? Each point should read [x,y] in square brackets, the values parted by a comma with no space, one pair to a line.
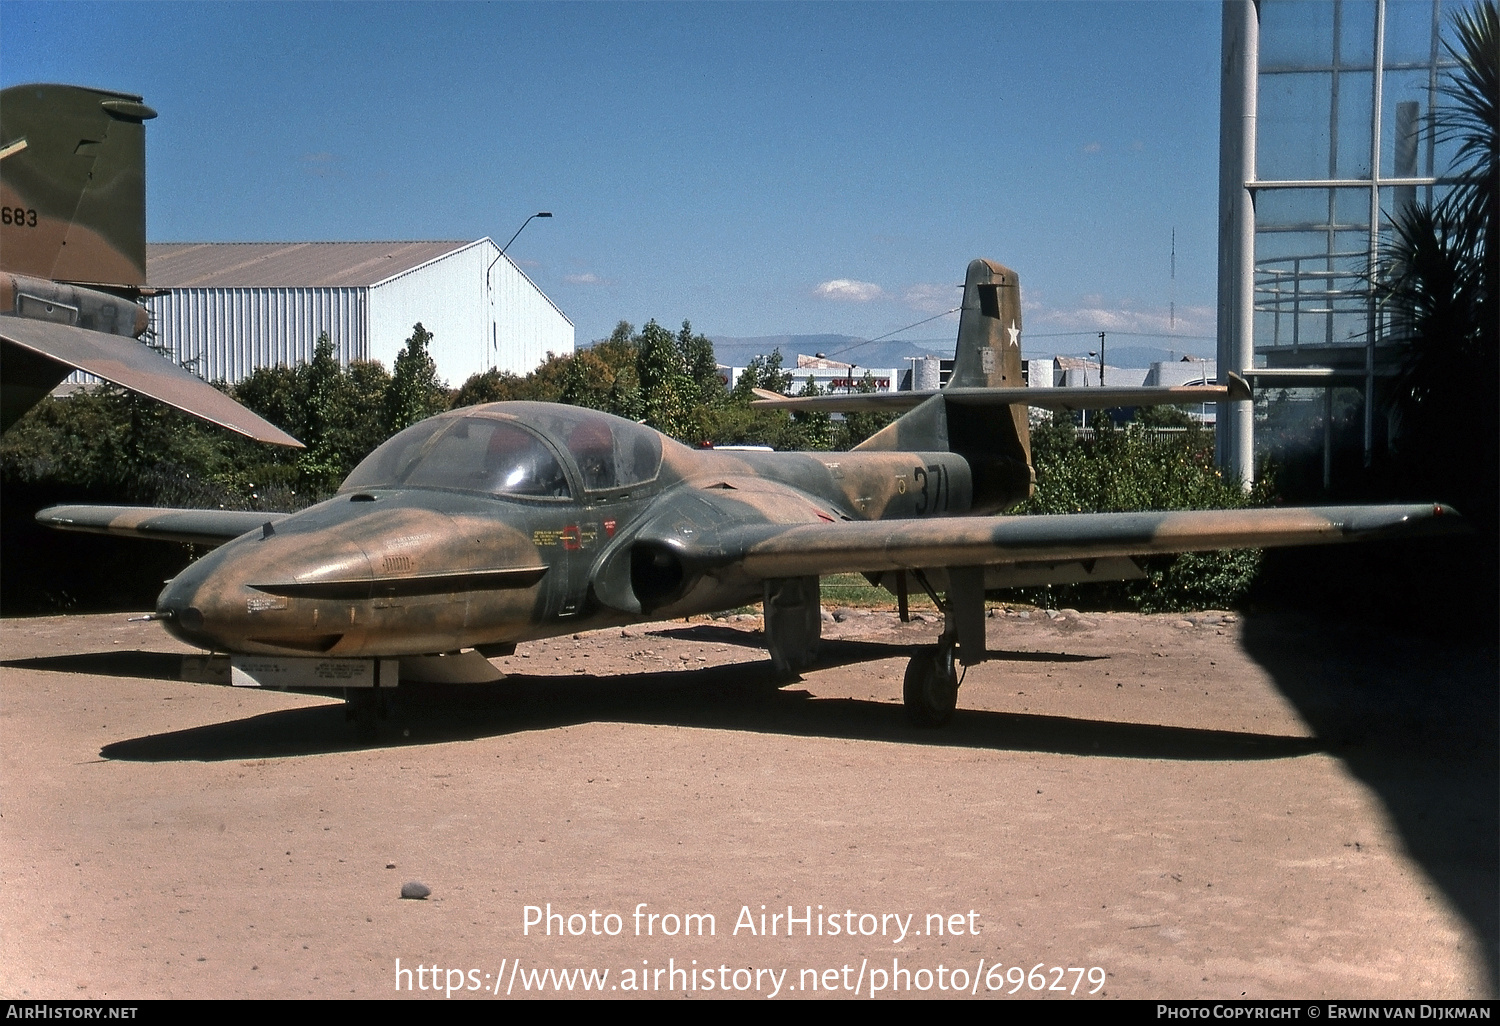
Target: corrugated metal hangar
[227,308]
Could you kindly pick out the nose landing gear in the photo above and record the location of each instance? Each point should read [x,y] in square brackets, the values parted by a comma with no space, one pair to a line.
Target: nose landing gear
[366,707]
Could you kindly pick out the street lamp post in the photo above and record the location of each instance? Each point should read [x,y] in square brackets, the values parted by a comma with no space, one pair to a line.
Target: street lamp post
[540,213]
[489,290]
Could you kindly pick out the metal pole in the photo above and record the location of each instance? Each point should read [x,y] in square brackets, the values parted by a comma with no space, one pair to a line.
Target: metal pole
[1234,440]
[1371,319]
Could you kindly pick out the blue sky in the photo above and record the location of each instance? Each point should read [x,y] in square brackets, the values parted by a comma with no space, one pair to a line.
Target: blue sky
[758,169]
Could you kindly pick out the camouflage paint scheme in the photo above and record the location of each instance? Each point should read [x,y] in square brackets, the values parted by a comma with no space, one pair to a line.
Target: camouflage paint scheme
[422,552]
[73,256]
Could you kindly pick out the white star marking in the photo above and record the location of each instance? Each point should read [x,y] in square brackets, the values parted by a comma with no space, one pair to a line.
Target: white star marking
[1014,332]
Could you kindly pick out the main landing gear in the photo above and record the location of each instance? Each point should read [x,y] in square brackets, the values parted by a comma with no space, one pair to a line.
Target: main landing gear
[930,690]
[931,687]
[794,624]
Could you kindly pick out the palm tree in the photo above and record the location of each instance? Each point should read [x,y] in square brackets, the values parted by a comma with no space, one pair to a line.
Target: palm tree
[1448,417]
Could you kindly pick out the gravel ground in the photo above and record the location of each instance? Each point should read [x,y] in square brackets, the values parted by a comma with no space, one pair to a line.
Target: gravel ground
[1205,806]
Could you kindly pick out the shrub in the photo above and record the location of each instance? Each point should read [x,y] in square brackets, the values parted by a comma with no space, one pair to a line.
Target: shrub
[1129,470]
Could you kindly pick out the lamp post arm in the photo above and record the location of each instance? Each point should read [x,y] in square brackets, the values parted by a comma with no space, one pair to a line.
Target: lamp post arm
[487,270]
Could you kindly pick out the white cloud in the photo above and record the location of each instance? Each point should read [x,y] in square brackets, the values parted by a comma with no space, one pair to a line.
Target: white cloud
[848,290]
[1095,316]
[1092,147]
[933,299]
[587,278]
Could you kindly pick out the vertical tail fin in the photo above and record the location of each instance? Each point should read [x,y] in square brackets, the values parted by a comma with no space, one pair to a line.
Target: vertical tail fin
[995,441]
[989,329]
[73,184]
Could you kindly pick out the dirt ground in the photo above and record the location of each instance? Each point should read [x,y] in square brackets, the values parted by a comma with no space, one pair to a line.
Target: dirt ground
[1204,807]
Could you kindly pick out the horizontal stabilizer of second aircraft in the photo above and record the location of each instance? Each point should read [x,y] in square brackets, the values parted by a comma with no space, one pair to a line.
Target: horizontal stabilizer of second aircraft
[133,365]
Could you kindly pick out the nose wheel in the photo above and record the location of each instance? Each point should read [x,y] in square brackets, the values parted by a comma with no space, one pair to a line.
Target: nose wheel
[366,707]
[931,687]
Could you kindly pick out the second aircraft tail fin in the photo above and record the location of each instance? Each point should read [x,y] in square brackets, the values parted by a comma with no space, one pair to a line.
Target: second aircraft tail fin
[73,184]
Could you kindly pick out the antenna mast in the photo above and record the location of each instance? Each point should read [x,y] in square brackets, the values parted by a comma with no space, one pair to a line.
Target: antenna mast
[1172,288]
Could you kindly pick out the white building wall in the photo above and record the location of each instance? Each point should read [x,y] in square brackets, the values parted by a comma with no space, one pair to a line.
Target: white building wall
[526,324]
[482,313]
[447,297]
[480,317]
[1088,376]
[1041,373]
[1183,372]
[226,333]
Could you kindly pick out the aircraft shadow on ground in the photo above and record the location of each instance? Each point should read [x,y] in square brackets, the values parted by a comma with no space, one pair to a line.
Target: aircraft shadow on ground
[204,669]
[739,696]
[844,651]
[1415,719]
[195,669]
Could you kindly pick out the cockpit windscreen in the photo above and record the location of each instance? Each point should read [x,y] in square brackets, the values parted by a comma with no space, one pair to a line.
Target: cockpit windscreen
[474,454]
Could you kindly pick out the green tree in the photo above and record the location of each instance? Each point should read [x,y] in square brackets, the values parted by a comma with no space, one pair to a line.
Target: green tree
[762,372]
[337,413]
[701,365]
[491,386]
[1163,416]
[736,422]
[361,427]
[415,393]
[814,429]
[667,392]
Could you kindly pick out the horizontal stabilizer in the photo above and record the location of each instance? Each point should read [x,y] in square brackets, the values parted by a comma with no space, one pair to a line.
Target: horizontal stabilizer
[1102,398]
[194,526]
[130,364]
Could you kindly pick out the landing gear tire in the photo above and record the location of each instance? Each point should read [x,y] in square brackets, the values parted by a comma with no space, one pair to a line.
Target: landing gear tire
[931,687]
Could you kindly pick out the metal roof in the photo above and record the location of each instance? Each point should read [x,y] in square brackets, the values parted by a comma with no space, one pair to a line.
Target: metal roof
[181,265]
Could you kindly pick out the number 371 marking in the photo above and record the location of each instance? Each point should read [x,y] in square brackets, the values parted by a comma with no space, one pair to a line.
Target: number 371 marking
[932,485]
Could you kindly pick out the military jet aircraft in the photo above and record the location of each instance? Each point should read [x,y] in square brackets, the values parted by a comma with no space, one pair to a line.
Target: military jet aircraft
[492,525]
[73,256]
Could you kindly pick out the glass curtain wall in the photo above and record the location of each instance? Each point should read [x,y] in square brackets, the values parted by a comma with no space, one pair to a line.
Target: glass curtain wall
[1333,99]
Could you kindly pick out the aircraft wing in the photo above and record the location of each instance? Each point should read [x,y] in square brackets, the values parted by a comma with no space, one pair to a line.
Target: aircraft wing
[194,526]
[1105,397]
[132,365]
[776,550]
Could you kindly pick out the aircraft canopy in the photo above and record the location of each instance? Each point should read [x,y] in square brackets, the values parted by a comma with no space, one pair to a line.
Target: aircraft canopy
[514,449]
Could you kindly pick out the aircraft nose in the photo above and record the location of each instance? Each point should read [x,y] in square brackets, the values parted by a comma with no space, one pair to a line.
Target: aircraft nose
[177,612]
[214,603]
